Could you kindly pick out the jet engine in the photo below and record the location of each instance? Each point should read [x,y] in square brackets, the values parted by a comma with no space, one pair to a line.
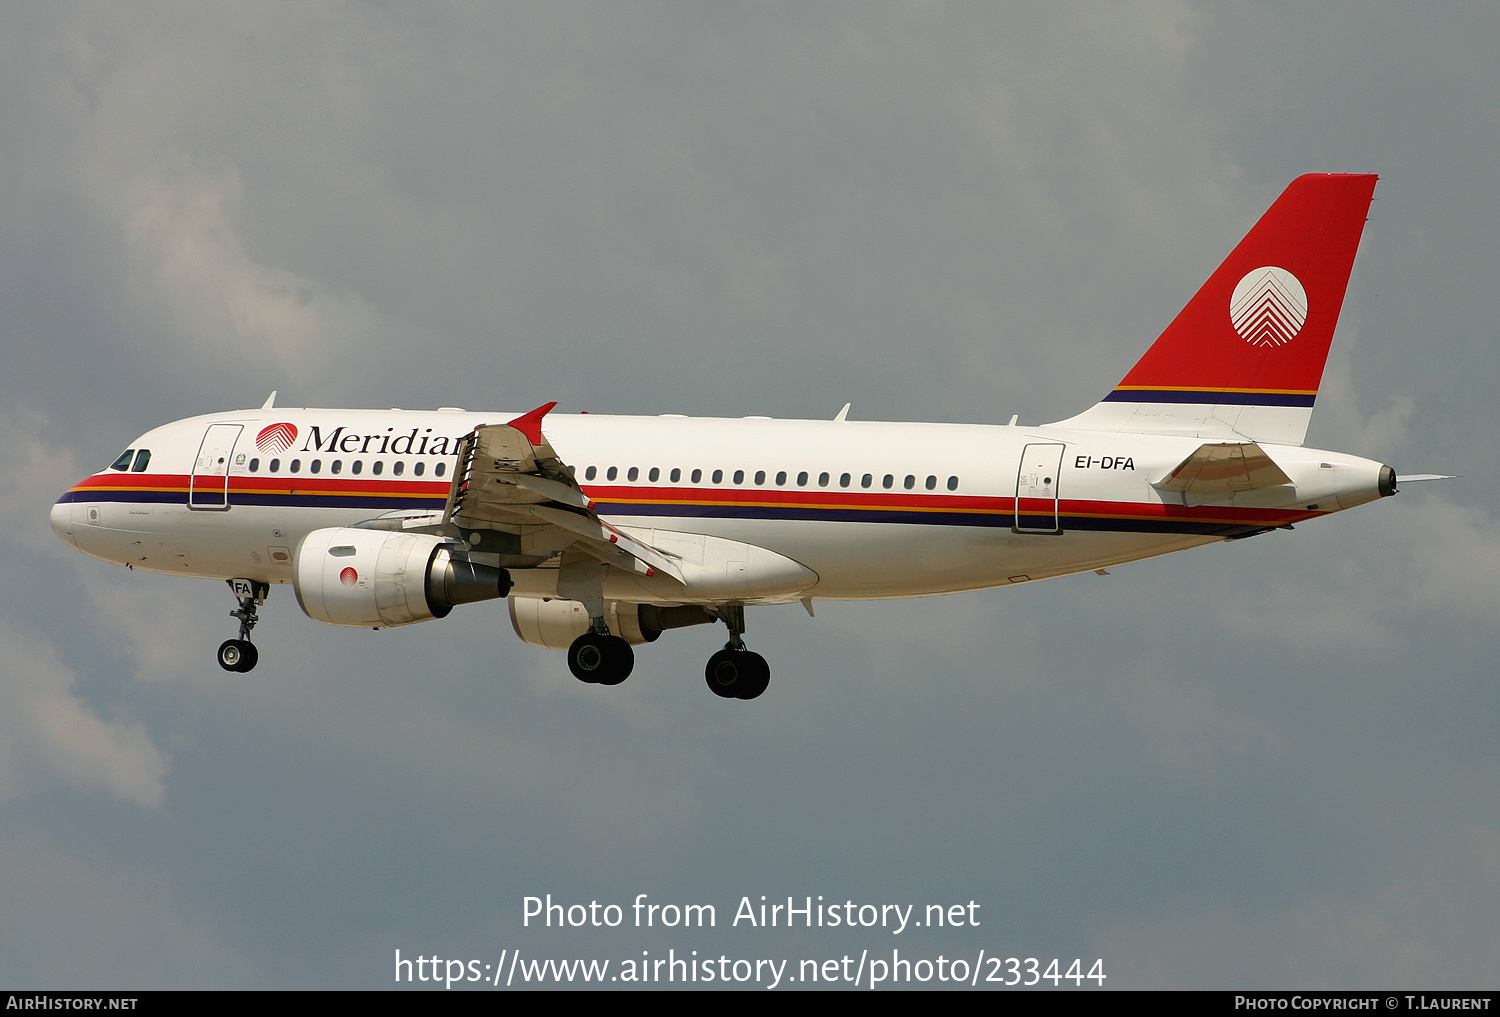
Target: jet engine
[554,624]
[378,578]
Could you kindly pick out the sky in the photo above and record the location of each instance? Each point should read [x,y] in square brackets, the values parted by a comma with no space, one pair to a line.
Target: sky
[1265,764]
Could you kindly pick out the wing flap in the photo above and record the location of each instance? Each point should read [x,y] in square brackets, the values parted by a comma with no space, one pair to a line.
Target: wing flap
[509,478]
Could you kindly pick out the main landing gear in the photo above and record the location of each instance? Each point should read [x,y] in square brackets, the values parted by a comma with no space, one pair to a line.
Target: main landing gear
[240,654]
[735,672]
[598,658]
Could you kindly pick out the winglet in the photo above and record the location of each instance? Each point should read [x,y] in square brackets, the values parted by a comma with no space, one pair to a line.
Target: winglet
[270,402]
[530,424]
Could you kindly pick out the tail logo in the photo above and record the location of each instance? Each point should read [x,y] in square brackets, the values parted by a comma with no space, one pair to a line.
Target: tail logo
[1268,307]
[277,438]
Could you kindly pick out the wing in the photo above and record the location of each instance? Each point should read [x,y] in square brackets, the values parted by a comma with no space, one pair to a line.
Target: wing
[510,481]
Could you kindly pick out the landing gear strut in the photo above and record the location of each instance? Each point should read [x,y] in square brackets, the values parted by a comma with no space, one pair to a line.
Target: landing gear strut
[240,654]
[598,658]
[735,672]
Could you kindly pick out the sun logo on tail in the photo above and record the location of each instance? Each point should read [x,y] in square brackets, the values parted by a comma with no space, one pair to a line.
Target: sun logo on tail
[1268,307]
[277,438]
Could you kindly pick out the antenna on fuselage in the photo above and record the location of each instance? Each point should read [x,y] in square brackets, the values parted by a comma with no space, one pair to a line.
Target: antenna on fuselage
[843,414]
[270,402]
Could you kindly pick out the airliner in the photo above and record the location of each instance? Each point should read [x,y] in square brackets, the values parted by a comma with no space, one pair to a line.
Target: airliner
[602,532]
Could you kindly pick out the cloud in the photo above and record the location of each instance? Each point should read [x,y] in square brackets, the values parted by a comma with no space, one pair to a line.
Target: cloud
[1397,562]
[74,917]
[184,236]
[1435,924]
[47,733]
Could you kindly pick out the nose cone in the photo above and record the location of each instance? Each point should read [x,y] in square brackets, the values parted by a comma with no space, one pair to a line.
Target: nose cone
[62,521]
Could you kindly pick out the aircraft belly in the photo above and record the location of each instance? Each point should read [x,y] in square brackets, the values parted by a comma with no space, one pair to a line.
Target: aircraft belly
[877,560]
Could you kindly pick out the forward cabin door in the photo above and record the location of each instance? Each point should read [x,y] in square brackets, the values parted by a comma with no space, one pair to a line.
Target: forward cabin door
[208,488]
[1036,489]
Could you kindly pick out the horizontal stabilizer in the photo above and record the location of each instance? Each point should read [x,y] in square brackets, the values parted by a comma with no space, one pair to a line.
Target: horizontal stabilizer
[1224,469]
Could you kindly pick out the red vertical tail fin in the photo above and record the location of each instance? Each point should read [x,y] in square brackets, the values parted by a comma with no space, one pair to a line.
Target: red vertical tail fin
[1244,358]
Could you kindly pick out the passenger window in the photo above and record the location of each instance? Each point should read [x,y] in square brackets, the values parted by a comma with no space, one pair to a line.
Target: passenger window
[910,482]
[123,463]
[295,466]
[932,483]
[781,479]
[142,460]
[654,475]
[591,473]
[275,465]
[357,466]
[337,466]
[760,476]
[255,466]
[844,480]
[866,480]
[632,473]
[376,467]
[442,468]
[611,473]
[697,476]
[739,476]
[953,483]
[399,468]
[802,479]
[421,468]
[317,466]
[676,474]
[718,476]
[822,480]
[887,481]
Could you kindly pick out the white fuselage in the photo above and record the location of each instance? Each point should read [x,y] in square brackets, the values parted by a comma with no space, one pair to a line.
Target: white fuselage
[870,509]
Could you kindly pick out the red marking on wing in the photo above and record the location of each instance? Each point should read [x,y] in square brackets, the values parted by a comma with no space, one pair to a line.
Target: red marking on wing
[530,424]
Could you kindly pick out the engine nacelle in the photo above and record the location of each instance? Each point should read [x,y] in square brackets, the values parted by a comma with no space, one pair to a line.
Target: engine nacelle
[378,578]
[555,623]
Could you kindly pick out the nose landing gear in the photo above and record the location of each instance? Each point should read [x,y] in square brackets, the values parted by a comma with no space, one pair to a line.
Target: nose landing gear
[736,672]
[240,654]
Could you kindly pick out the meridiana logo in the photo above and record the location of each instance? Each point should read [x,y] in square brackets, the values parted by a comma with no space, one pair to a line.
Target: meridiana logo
[1268,307]
[349,577]
[277,438]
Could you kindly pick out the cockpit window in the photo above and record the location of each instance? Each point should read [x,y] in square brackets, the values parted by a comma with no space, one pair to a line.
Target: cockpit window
[123,463]
[142,460]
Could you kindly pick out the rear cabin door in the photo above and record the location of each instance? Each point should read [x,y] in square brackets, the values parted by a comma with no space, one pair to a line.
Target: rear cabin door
[1036,489]
[208,488]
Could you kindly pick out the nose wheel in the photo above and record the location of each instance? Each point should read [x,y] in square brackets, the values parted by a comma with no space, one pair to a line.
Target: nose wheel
[240,654]
[237,655]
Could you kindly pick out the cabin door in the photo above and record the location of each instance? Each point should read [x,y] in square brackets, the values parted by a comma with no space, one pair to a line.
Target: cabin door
[208,488]
[1036,489]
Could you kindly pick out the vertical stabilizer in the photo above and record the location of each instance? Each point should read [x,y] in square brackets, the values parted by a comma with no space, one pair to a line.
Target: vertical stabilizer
[1244,358]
